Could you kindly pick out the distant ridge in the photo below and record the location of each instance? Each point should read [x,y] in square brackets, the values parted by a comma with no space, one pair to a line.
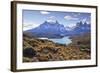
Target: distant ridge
[57,30]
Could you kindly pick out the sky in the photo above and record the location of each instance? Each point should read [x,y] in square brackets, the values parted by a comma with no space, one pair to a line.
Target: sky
[34,18]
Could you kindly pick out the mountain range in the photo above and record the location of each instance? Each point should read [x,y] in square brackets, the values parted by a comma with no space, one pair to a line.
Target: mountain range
[57,30]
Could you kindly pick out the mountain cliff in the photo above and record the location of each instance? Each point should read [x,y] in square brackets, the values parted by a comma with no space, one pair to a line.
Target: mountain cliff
[57,30]
[48,30]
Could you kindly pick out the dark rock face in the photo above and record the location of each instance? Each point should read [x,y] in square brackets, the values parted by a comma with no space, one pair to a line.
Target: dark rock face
[29,52]
[46,50]
[56,30]
[49,51]
[81,28]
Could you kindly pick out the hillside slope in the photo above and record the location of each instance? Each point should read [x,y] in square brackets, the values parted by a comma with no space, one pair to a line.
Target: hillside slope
[37,50]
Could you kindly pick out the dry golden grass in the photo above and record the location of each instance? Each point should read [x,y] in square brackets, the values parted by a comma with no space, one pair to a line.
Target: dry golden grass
[49,51]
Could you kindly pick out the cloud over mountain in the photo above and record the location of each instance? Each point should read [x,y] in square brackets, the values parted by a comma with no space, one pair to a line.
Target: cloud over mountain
[57,30]
[44,12]
[67,17]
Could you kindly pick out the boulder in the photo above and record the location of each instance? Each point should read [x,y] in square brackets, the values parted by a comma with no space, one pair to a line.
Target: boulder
[29,52]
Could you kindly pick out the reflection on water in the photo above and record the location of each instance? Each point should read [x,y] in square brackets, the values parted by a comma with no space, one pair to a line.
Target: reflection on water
[64,40]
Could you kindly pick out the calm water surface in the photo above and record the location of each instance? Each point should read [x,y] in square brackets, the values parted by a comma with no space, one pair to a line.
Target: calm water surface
[64,40]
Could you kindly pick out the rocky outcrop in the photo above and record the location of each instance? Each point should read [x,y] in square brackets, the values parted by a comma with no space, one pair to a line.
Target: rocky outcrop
[38,50]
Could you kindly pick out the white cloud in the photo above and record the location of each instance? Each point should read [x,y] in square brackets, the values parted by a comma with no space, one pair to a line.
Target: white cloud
[51,19]
[70,27]
[28,26]
[84,20]
[76,14]
[44,12]
[70,18]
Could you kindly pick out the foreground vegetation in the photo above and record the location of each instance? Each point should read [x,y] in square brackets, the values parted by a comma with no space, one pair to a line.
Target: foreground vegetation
[38,50]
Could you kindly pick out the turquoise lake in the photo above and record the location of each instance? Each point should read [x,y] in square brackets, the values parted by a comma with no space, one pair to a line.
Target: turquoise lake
[64,40]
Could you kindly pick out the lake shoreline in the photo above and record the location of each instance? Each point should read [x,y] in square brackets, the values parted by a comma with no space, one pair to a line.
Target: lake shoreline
[40,50]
